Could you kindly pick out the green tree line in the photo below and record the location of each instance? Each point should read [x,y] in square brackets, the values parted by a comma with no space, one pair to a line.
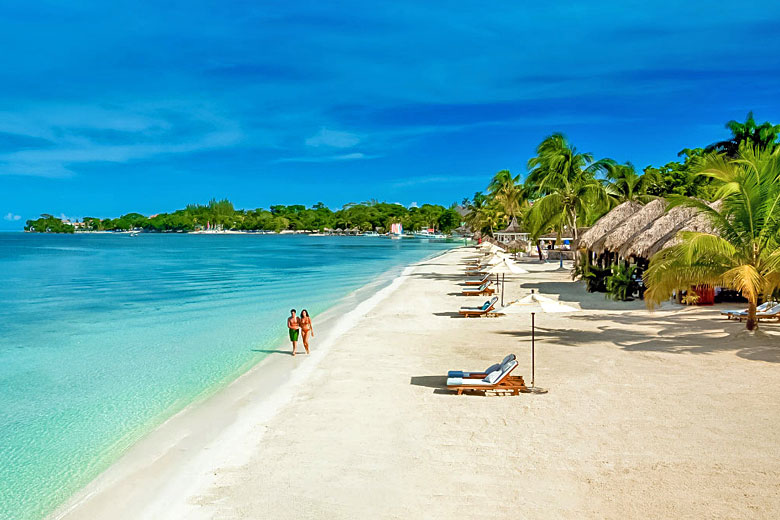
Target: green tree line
[365,216]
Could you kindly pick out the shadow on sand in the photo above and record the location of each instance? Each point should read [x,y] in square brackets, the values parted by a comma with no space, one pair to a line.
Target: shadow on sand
[272,351]
[438,383]
[677,334]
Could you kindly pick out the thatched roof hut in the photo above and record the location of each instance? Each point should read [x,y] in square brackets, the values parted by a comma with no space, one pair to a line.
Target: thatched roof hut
[666,225]
[513,227]
[518,244]
[608,222]
[699,223]
[635,224]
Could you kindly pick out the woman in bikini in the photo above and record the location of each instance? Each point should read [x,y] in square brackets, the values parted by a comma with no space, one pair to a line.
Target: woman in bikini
[306,329]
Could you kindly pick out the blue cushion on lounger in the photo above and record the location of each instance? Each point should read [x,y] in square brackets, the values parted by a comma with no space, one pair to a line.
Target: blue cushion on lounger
[464,374]
[491,368]
[493,376]
[486,305]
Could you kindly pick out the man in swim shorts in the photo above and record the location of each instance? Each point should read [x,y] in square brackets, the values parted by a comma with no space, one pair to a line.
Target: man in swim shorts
[294,328]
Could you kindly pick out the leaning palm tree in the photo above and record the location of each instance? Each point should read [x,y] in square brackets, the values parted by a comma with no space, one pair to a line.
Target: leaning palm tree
[743,251]
[566,183]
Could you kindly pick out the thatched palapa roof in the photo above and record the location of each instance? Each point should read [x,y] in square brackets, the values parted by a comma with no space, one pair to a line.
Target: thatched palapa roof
[608,222]
[665,226]
[635,224]
[700,223]
[513,227]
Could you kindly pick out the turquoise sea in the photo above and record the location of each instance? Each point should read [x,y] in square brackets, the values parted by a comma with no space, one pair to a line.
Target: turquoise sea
[103,337]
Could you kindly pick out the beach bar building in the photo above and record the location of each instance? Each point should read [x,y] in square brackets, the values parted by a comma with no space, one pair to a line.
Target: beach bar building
[512,232]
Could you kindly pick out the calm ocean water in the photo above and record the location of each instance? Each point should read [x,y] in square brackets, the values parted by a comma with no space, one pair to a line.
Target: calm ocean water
[103,337]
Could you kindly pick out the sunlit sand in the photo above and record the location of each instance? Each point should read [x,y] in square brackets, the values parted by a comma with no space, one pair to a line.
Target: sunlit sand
[661,415]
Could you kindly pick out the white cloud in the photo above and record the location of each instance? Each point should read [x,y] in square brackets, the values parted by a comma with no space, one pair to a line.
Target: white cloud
[333,139]
[11,217]
[438,179]
[327,158]
[152,130]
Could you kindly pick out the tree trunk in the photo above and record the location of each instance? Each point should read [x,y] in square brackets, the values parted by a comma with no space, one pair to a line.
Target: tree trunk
[539,250]
[574,240]
[752,321]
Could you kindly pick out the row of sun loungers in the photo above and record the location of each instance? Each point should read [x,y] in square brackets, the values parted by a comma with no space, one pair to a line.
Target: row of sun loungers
[478,284]
[496,377]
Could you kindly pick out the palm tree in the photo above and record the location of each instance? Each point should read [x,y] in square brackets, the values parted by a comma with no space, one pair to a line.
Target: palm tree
[508,193]
[763,136]
[623,183]
[743,251]
[477,208]
[566,183]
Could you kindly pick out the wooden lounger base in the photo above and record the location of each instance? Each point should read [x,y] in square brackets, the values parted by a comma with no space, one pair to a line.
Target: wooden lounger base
[480,314]
[513,385]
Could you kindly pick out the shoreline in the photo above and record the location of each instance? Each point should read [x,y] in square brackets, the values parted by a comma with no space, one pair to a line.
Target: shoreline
[255,395]
[658,414]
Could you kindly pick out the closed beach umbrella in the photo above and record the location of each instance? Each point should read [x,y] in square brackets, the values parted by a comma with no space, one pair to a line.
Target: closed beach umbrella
[533,304]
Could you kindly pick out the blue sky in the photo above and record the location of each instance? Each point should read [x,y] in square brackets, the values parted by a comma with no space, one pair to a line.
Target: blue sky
[112,107]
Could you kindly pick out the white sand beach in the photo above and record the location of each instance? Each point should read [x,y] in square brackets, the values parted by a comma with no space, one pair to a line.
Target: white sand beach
[671,414]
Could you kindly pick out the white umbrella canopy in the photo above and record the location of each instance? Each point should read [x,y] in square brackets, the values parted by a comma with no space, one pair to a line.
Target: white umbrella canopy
[506,266]
[491,259]
[533,304]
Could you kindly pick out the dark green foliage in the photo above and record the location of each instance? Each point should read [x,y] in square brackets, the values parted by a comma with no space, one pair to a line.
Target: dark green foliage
[48,224]
[677,178]
[621,284]
[750,133]
[593,276]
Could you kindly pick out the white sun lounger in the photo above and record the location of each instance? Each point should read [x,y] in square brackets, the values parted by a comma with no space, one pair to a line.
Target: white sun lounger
[496,380]
[479,375]
[761,308]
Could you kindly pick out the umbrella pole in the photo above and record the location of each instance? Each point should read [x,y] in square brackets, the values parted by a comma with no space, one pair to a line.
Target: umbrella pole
[502,289]
[533,347]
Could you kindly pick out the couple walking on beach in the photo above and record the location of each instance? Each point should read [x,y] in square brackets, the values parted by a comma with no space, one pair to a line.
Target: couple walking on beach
[302,325]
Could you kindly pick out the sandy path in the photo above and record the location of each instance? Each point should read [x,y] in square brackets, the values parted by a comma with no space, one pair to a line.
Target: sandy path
[669,415]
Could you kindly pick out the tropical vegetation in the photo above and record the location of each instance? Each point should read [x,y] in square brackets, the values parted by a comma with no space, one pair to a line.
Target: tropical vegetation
[365,216]
[743,250]
[49,224]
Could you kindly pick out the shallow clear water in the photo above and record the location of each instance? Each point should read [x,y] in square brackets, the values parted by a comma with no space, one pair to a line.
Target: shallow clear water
[103,337]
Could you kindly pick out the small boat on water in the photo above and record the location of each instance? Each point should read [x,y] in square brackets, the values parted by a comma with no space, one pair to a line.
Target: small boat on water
[396,230]
[370,234]
[429,234]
